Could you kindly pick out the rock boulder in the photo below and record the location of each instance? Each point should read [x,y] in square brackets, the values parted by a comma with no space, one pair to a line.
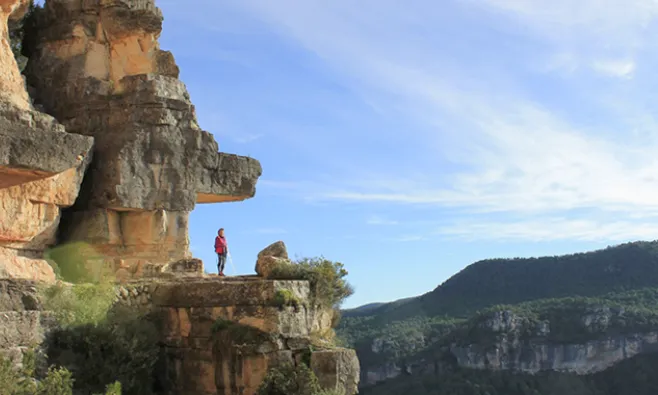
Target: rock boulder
[272,256]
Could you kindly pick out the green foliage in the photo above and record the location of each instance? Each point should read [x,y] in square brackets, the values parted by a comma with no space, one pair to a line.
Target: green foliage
[221,324]
[113,389]
[619,283]
[633,376]
[326,278]
[14,381]
[329,392]
[98,341]
[79,304]
[58,381]
[285,297]
[122,348]
[290,380]
[240,334]
[21,381]
[77,263]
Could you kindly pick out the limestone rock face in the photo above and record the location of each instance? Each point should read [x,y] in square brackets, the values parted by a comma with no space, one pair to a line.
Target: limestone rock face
[511,351]
[12,87]
[273,255]
[97,67]
[22,323]
[221,336]
[337,369]
[41,170]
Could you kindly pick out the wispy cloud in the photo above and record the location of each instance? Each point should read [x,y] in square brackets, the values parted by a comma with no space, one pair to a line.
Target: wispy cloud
[377,220]
[409,238]
[615,68]
[553,229]
[225,128]
[493,132]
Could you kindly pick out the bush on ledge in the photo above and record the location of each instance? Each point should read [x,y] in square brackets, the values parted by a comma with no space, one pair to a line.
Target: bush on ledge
[326,278]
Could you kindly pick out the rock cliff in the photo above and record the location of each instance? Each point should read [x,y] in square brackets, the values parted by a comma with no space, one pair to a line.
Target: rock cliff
[106,150]
[96,66]
[516,348]
[222,336]
[580,341]
[41,168]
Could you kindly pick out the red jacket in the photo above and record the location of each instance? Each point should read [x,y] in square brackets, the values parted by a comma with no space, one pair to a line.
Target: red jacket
[220,245]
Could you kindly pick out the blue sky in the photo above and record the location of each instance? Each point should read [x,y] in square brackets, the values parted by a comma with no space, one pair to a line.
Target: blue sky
[410,139]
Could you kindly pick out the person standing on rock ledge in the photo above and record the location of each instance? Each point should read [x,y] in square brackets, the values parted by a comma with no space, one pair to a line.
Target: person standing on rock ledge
[221,248]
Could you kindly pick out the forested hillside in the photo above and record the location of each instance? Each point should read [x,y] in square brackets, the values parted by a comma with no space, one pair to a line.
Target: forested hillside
[559,291]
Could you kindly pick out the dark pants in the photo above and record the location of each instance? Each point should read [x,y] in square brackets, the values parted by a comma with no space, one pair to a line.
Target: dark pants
[221,261]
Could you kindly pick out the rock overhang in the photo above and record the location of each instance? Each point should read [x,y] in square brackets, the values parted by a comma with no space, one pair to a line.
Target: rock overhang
[34,146]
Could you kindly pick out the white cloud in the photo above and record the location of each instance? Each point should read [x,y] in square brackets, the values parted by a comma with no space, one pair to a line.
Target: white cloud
[410,238]
[615,68]
[223,128]
[553,229]
[509,148]
[377,220]
[603,35]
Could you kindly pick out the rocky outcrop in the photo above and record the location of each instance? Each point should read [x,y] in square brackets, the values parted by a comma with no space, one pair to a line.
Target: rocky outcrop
[221,336]
[97,67]
[579,358]
[270,257]
[12,86]
[337,370]
[41,168]
[23,325]
[515,343]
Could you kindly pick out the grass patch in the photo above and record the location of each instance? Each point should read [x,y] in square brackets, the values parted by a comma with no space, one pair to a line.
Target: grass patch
[77,262]
[79,304]
[285,297]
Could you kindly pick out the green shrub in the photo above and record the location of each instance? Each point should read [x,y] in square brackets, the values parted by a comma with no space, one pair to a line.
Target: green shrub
[79,304]
[221,324]
[58,381]
[123,348]
[290,380]
[21,381]
[329,392]
[285,297]
[240,334]
[326,278]
[113,389]
[14,381]
[77,262]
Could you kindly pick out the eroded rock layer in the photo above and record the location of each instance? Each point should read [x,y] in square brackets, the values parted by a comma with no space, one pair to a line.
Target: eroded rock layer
[223,336]
[97,67]
[12,87]
[41,168]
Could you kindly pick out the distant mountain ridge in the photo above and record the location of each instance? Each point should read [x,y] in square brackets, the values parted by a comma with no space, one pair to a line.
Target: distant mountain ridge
[392,337]
[489,282]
